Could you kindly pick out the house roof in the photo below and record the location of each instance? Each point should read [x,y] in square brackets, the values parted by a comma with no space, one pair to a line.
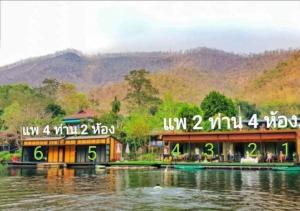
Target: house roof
[83,114]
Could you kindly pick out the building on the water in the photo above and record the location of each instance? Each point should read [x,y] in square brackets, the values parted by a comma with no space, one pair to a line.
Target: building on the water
[73,149]
[235,144]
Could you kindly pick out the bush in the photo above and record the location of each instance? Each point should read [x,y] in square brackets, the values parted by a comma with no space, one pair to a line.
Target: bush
[148,157]
[6,156]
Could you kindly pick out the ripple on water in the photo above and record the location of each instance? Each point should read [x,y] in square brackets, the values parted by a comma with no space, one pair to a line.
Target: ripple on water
[67,189]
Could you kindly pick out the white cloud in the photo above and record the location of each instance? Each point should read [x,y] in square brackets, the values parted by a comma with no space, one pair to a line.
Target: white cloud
[38,28]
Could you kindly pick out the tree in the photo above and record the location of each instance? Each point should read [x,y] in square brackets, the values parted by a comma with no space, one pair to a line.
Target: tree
[247,109]
[13,117]
[215,103]
[141,93]
[189,111]
[2,127]
[19,93]
[55,110]
[70,100]
[49,87]
[137,127]
[115,105]
[169,108]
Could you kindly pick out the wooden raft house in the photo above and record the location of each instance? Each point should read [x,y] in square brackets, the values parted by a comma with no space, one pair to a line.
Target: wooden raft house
[237,142]
[71,150]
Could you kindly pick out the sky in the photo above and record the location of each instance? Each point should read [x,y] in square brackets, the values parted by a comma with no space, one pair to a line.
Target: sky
[30,29]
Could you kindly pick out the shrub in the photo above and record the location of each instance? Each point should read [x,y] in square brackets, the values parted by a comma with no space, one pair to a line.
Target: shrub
[147,157]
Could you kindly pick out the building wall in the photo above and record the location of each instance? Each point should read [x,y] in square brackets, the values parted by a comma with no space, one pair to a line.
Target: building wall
[77,150]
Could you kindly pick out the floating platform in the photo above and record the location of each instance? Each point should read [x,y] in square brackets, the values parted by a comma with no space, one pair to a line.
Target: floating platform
[234,165]
[161,164]
[132,167]
[293,168]
[157,164]
[189,167]
[51,165]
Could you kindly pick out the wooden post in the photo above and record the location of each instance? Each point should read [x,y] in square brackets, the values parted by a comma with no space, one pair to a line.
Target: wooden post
[225,150]
[298,145]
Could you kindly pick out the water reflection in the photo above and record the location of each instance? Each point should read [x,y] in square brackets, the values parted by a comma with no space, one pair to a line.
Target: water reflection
[27,188]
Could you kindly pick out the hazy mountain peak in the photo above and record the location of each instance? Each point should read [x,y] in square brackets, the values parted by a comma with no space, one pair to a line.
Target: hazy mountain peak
[73,66]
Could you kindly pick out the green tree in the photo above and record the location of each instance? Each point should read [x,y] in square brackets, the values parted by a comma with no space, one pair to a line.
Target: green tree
[247,109]
[137,127]
[215,103]
[2,127]
[49,87]
[13,117]
[141,93]
[70,100]
[169,108]
[19,93]
[116,105]
[55,110]
[188,111]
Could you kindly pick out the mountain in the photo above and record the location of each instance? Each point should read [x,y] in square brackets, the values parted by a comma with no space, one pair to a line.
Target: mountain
[83,70]
[277,87]
[187,75]
[188,83]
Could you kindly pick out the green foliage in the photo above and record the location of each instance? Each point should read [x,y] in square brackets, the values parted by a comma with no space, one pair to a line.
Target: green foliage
[70,100]
[215,103]
[112,118]
[247,109]
[137,127]
[19,93]
[55,110]
[169,108]
[13,117]
[116,105]
[188,111]
[2,125]
[21,105]
[49,88]
[147,157]
[5,156]
[141,93]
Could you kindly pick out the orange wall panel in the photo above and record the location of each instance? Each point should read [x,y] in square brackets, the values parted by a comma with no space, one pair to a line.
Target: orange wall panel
[70,154]
[53,154]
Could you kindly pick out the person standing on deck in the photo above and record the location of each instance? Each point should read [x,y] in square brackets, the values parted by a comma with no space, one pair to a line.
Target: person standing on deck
[197,154]
[269,157]
[281,157]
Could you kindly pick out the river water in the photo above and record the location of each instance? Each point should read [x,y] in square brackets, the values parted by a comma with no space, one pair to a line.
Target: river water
[88,189]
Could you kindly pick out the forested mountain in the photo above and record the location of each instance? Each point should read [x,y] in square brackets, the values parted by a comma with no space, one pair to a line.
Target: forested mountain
[187,75]
[73,66]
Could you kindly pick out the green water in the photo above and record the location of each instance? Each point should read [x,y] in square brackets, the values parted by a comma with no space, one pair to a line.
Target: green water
[87,189]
